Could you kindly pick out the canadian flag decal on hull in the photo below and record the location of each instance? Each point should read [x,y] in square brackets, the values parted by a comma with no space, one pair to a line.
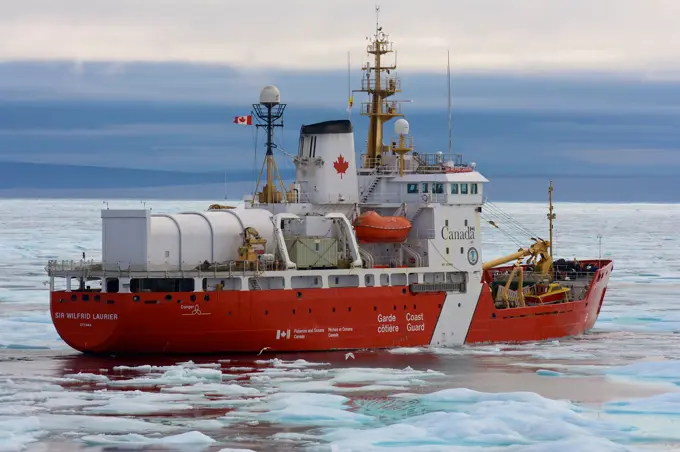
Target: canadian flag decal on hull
[282,334]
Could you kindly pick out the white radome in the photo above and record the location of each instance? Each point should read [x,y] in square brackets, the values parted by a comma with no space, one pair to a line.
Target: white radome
[401,127]
[270,95]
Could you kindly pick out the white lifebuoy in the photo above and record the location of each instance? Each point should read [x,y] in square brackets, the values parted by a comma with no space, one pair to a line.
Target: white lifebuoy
[424,197]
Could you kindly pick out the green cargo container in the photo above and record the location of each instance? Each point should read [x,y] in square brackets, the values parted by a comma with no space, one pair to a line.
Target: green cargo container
[310,252]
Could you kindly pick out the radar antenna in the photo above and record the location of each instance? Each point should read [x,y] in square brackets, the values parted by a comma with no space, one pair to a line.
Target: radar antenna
[270,114]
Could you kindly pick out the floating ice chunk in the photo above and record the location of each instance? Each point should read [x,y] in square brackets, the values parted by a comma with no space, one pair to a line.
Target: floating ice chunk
[662,404]
[147,368]
[655,370]
[548,373]
[191,364]
[290,436]
[305,409]
[16,434]
[128,407]
[282,400]
[378,375]
[174,376]
[98,424]
[466,420]
[235,450]
[299,363]
[213,388]
[405,351]
[87,377]
[31,330]
[327,386]
[189,438]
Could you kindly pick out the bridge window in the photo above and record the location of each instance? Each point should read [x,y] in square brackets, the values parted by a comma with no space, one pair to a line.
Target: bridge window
[473,189]
[463,189]
[412,188]
[438,188]
[424,187]
[454,189]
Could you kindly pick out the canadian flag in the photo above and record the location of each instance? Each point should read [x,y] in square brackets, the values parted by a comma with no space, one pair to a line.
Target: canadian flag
[282,334]
[244,120]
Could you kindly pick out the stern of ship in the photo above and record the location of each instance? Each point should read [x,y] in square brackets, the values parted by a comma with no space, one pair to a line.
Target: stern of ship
[86,321]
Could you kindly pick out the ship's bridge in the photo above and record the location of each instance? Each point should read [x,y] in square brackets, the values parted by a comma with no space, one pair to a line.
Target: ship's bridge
[426,178]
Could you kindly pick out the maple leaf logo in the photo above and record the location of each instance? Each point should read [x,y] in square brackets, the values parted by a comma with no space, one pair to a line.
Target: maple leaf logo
[341,165]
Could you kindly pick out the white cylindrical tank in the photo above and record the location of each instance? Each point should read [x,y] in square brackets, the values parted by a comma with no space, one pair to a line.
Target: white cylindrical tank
[191,238]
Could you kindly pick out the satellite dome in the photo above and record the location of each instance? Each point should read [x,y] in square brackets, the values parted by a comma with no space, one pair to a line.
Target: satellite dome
[401,127]
[270,95]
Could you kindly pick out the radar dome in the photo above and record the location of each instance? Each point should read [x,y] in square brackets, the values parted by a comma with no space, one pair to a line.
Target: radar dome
[401,127]
[270,95]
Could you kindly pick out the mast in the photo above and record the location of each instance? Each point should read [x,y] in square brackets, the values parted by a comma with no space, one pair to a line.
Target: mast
[377,108]
[448,75]
[270,112]
[349,88]
[551,217]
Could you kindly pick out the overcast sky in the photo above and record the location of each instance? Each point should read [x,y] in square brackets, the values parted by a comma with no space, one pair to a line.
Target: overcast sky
[625,36]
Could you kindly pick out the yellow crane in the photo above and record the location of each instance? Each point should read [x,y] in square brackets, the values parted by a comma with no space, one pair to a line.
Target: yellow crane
[539,255]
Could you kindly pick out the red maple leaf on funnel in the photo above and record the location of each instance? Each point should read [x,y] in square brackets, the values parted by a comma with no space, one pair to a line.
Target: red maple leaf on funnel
[341,165]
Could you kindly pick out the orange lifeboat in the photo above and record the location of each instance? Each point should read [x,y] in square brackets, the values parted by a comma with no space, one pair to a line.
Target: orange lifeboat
[374,228]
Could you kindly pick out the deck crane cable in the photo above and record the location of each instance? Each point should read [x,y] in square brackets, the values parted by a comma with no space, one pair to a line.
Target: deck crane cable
[514,221]
[510,237]
[508,229]
[509,221]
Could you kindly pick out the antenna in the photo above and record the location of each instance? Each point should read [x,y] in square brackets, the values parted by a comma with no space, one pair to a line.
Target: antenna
[269,111]
[377,20]
[551,217]
[448,76]
[599,260]
[349,88]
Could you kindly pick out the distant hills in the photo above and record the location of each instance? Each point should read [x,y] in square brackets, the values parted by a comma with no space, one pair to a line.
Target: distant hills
[19,175]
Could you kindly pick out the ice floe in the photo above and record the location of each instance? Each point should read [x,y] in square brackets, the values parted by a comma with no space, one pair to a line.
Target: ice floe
[183,439]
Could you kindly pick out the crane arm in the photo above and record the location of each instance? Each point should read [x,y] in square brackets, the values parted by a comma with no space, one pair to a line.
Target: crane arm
[538,249]
[505,259]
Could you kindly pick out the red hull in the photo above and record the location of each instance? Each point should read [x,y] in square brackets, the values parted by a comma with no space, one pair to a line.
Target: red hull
[247,321]
[306,320]
[535,323]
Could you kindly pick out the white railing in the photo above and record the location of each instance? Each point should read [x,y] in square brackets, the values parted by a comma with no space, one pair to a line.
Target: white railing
[93,269]
[408,198]
[415,162]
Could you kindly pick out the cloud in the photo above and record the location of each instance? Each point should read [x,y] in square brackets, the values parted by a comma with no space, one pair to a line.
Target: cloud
[239,88]
[483,35]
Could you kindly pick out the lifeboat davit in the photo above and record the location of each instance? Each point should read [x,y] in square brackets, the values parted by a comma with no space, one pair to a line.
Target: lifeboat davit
[374,228]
